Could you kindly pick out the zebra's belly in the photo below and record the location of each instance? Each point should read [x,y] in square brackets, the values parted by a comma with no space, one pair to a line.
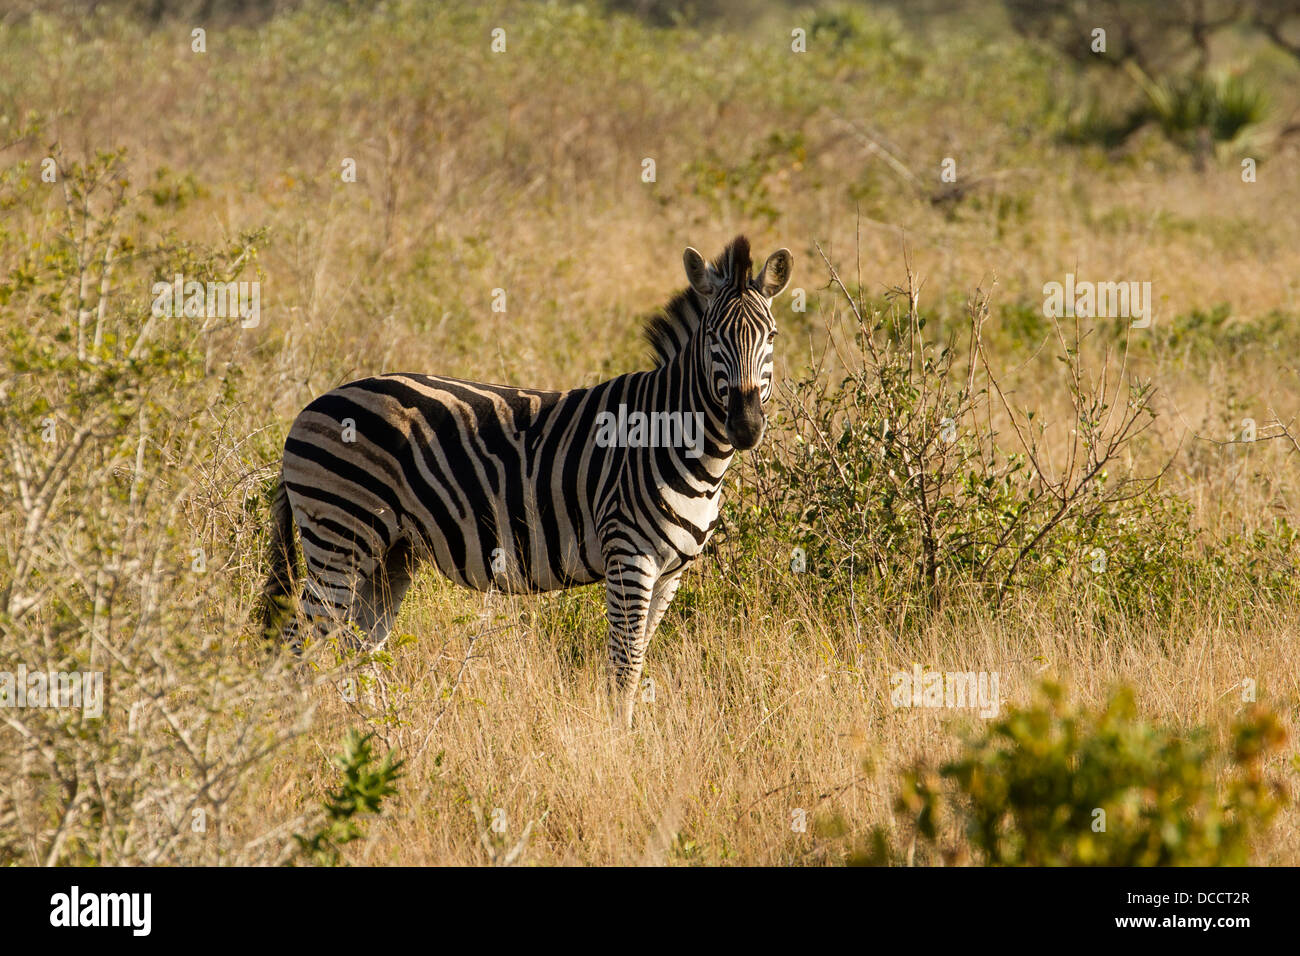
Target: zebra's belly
[507,576]
[532,557]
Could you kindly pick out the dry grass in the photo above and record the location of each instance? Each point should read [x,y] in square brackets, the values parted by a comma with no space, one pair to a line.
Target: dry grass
[752,720]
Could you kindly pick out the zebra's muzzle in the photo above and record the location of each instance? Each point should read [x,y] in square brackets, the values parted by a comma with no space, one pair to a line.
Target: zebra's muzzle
[745,421]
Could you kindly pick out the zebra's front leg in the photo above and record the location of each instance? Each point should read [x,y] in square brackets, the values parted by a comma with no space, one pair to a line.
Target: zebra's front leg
[629,592]
[664,590]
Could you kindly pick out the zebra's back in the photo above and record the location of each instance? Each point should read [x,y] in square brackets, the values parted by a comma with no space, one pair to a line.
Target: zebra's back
[483,480]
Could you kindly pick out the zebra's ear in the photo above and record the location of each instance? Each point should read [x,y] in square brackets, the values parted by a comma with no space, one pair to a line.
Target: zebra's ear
[702,278]
[776,273]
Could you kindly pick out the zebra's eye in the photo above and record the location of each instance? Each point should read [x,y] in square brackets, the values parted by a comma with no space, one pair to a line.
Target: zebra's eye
[771,336]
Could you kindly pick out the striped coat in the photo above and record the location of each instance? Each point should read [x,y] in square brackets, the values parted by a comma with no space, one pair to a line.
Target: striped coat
[525,490]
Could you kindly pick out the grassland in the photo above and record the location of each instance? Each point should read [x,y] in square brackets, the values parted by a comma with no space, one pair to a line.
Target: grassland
[523,171]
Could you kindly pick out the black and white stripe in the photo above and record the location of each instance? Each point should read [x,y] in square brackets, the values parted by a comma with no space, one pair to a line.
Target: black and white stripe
[509,488]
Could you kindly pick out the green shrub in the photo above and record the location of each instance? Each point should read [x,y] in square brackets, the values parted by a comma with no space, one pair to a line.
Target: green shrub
[1220,105]
[864,30]
[1196,112]
[890,470]
[1055,785]
[124,484]
[361,793]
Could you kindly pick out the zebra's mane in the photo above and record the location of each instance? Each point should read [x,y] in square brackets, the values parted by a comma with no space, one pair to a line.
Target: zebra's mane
[670,329]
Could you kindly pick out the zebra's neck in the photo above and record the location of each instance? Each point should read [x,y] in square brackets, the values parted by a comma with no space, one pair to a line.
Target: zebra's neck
[682,385]
[669,427]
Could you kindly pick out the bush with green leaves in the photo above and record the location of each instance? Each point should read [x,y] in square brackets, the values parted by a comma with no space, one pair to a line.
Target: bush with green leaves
[891,475]
[1200,111]
[361,793]
[1165,49]
[126,490]
[1058,785]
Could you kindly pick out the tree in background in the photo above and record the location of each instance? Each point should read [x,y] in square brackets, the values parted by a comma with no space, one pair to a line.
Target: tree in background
[1165,47]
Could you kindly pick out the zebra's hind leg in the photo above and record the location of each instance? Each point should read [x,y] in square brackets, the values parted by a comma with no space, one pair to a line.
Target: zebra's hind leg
[380,596]
[356,605]
[327,609]
[634,603]
[338,601]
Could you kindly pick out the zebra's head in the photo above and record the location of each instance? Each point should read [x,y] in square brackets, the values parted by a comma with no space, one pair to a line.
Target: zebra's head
[739,332]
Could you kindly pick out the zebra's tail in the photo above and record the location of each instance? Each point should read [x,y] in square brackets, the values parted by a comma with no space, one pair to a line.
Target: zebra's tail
[282,555]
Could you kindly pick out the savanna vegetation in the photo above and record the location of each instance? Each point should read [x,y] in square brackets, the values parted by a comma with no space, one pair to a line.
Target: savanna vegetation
[1097,512]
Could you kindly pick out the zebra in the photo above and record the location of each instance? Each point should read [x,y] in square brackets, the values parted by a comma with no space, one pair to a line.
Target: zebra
[525,490]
